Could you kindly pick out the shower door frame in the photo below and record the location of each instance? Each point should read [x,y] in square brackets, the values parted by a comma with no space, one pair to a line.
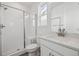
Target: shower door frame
[1,5]
[0,33]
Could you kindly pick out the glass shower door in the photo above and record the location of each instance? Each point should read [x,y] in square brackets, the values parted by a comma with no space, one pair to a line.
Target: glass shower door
[12,30]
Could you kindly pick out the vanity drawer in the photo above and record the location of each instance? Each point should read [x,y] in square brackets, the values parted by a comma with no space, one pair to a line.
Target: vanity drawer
[59,48]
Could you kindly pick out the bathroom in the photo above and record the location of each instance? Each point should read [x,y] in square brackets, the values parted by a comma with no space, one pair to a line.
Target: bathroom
[39,29]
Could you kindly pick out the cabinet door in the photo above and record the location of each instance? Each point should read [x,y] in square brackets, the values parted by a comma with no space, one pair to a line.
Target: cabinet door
[59,48]
[44,51]
[47,52]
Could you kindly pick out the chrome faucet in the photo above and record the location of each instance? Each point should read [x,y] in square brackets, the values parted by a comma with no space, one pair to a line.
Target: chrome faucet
[61,32]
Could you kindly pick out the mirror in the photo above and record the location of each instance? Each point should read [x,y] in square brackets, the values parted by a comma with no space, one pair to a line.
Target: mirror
[69,14]
[55,24]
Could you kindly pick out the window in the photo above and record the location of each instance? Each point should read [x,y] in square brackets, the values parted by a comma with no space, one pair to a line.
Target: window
[42,21]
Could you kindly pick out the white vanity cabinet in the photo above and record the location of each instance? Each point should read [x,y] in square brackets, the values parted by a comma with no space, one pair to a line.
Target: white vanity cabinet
[50,48]
[45,51]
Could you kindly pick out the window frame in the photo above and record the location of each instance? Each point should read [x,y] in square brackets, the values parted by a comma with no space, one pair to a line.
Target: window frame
[43,12]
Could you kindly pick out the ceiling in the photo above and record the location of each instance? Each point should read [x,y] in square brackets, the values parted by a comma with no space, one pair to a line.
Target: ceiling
[35,4]
[30,4]
[54,4]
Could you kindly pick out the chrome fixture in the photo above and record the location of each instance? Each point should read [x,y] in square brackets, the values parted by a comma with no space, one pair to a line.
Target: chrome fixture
[61,32]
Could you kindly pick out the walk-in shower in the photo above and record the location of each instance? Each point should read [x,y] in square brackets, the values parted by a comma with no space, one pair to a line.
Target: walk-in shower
[12,29]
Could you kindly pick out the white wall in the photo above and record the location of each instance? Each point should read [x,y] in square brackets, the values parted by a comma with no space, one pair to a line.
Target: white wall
[72,17]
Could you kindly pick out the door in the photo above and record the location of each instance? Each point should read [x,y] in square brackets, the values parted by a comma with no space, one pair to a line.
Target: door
[11,30]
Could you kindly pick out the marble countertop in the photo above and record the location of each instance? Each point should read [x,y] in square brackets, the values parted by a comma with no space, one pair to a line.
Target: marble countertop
[67,41]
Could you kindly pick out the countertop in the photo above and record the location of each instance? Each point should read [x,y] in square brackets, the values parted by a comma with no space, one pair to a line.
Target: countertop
[70,42]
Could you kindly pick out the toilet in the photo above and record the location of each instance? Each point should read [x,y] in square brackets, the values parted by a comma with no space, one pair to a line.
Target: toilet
[32,49]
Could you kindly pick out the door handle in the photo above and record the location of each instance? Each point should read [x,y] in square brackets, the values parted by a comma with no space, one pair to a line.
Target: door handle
[2,26]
